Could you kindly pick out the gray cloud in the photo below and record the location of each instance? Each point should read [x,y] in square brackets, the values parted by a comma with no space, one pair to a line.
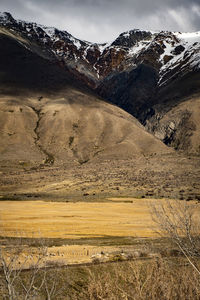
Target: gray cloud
[102,20]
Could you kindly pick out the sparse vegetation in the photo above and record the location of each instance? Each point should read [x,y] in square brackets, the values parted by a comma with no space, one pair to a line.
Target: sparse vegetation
[136,280]
[75,220]
[180,221]
[151,269]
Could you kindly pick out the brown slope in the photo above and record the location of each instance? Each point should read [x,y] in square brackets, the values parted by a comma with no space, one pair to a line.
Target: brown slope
[179,126]
[74,126]
[45,116]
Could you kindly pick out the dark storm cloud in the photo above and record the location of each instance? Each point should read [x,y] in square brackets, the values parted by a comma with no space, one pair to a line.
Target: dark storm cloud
[101,20]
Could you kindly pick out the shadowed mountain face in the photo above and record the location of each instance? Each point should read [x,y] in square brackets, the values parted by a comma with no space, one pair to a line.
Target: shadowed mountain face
[47,117]
[24,68]
[179,127]
[148,74]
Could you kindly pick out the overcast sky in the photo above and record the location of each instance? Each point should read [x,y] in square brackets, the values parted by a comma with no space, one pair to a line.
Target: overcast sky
[104,20]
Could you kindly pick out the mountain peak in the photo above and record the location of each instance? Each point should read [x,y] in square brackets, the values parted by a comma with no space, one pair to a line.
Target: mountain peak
[6,16]
[131,38]
[162,50]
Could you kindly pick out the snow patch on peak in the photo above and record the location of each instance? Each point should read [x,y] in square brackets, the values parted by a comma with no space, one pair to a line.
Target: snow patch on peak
[168,48]
[188,35]
[126,34]
[50,31]
[102,47]
[153,32]
[76,42]
[138,48]
[188,56]
[189,38]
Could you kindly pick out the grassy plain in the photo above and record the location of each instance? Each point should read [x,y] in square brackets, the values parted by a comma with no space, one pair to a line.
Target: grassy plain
[74,221]
[89,232]
[83,229]
[122,217]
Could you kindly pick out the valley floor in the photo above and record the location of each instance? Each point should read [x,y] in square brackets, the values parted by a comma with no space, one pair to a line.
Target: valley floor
[79,232]
[169,176]
[98,212]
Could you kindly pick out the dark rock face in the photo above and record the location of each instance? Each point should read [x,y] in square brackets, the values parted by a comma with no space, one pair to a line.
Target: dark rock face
[178,50]
[131,38]
[184,129]
[132,91]
[6,17]
[16,72]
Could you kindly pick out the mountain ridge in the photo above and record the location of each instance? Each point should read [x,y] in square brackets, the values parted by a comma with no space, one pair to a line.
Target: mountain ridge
[48,118]
[146,73]
[135,42]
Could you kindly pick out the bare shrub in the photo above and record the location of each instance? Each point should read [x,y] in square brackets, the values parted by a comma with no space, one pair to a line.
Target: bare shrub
[25,274]
[177,220]
[13,260]
[151,280]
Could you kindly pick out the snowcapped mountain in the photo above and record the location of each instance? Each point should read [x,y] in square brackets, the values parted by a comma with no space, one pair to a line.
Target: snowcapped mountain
[146,73]
[165,51]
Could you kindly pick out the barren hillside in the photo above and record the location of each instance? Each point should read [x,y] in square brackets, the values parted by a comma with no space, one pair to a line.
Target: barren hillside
[46,117]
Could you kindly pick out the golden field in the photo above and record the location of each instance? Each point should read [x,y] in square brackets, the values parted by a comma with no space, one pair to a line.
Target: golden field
[77,220]
[118,217]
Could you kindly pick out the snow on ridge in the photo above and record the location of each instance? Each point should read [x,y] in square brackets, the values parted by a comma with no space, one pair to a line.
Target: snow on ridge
[50,31]
[153,32]
[136,49]
[191,44]
[2,15]
[76,42]
[188,35]
[103,46]
[189,38]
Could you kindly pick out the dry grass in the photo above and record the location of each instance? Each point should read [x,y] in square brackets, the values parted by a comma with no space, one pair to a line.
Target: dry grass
[79,220]
[158,279]
[124,217]
[76,220]
[156,177]
[58,256]
[153,280]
